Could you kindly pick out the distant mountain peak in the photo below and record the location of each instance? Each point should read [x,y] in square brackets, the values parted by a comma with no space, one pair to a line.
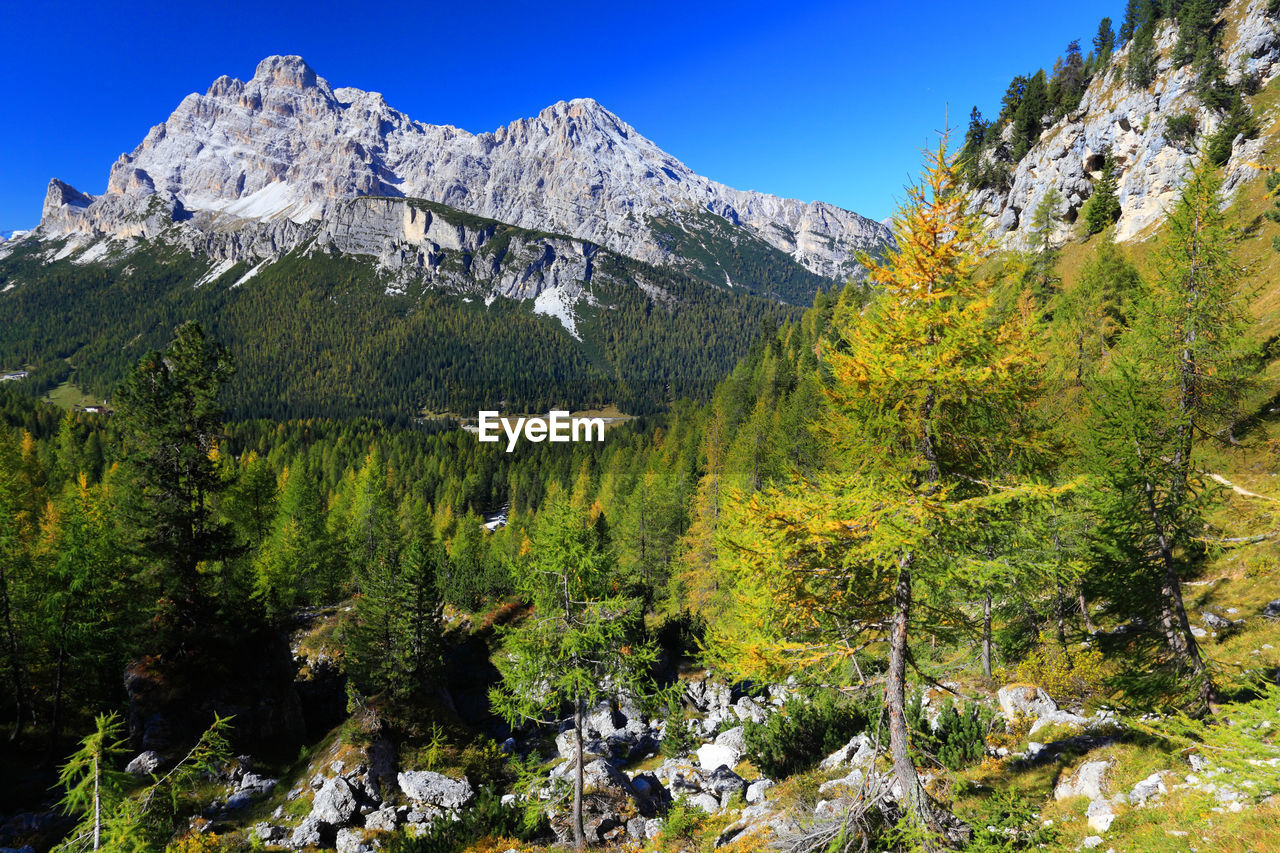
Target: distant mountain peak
[285,71]
[285,145]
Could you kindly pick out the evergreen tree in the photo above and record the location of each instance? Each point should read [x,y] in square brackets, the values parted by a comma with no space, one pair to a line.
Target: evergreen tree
[1179,373]
[1130,23]
[169,412]
[1089,319]
[1069,80]
[581,642]
[1196,19]
[1140,69]
[1028,119]
[1044,222]
[1103,43]
[1102,210]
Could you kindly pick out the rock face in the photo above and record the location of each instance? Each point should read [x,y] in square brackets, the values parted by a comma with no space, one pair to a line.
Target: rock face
[1131,123]
[434,789]
[285,148]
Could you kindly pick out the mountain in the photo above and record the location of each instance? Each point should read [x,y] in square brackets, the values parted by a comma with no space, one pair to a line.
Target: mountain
[630,278]
[285,149]
[1133,124]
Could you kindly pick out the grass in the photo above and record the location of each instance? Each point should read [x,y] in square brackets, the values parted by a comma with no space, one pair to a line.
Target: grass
[68,396]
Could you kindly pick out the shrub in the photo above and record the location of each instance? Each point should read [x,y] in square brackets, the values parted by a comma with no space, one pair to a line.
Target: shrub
[680,827]
[483,762]
[487,817]
[678,739]
[1066,675]
[958,737]
[1180,129]
[804,732]
[1007,822]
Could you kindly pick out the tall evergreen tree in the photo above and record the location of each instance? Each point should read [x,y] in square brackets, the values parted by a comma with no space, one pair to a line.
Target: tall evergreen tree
[1180,373]
[1103,43]
[1102,210]
[171,417]
[1028,119]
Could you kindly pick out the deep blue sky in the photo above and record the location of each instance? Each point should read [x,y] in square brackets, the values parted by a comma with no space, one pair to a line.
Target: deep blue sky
[811,100]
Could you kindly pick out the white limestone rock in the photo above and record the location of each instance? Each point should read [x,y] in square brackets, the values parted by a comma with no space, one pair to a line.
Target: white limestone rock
[285,148]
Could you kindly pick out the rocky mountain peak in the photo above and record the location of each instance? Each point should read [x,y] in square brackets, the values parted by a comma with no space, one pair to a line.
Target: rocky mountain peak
[286,146]
[292,71]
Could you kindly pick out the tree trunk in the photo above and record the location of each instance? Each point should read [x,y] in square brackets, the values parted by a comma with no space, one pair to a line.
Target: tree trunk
[579,837]
[1173,611]
[1084,613]
[97,806]
[914,799]
[986,635]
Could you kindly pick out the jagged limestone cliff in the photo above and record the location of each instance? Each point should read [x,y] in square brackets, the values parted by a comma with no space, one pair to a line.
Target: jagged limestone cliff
[256,168]
[1131,123]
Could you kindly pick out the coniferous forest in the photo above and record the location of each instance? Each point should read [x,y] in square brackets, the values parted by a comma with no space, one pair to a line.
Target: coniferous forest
[978,551]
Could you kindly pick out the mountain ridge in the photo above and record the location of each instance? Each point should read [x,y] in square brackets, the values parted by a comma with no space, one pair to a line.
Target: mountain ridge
[286,145]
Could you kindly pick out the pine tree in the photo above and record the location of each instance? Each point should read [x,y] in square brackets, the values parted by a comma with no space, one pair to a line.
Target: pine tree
[1140,68]
[169,411]
[1103,43]
[580,643]
[1130,22]
[1044,223]
[1102,210]
[1089,319]
[1180,372]
[1028,119]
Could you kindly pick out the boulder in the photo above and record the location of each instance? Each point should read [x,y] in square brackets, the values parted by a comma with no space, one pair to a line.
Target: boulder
[335,804]
[635,829]
[756,790]
[1024,699]
[384,819]
[723,783]
[352,841]
[859,752]
[1059,718]
[1100,814]
[426,787]
[1272,610]
[1152,786]
[713,755]
[312,832]
[1088,780]
[268,833]
[604,721]
[1214,622]
[706,802]
[145,763]
[734,738]
[849,783]
[652,827]
[748,710]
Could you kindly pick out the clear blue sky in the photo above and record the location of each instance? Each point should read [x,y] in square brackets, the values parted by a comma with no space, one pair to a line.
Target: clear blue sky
[816,100]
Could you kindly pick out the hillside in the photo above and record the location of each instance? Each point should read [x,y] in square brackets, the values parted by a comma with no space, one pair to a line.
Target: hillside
[257,200]
[979,552]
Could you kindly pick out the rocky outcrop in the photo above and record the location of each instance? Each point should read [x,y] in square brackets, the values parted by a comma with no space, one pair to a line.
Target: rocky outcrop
[1131,125]
[285,146]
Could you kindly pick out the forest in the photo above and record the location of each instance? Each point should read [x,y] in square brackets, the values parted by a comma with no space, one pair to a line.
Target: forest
[317,335]
[962,487]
